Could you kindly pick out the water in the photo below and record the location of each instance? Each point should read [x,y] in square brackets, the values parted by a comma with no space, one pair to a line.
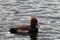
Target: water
[14,12]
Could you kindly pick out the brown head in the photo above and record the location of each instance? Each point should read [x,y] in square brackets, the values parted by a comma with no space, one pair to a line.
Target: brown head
[34,21]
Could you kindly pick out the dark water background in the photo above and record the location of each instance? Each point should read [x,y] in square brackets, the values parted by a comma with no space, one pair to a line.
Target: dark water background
[14,12]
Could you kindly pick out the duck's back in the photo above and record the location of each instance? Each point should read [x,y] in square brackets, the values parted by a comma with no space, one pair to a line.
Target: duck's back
[23,27]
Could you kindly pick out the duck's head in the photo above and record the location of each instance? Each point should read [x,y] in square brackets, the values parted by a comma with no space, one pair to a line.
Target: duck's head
[13,30]
[34,21]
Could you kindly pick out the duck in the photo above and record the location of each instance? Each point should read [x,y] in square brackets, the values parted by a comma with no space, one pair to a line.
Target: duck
[26,29]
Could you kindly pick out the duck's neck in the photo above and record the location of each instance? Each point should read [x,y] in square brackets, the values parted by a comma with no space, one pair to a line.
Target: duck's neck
[33,25]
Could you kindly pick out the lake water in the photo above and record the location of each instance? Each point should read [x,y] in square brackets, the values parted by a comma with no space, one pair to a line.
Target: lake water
[14,12]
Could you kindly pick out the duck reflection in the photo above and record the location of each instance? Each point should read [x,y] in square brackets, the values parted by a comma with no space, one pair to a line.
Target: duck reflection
[33,36]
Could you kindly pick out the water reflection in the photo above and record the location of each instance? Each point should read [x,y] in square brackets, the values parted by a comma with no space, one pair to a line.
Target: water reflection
[33,36]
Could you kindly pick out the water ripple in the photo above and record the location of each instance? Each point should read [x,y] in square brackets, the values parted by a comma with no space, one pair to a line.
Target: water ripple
[50,17]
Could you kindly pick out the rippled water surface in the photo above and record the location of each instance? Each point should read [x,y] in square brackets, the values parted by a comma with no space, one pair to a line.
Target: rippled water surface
[14,12]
